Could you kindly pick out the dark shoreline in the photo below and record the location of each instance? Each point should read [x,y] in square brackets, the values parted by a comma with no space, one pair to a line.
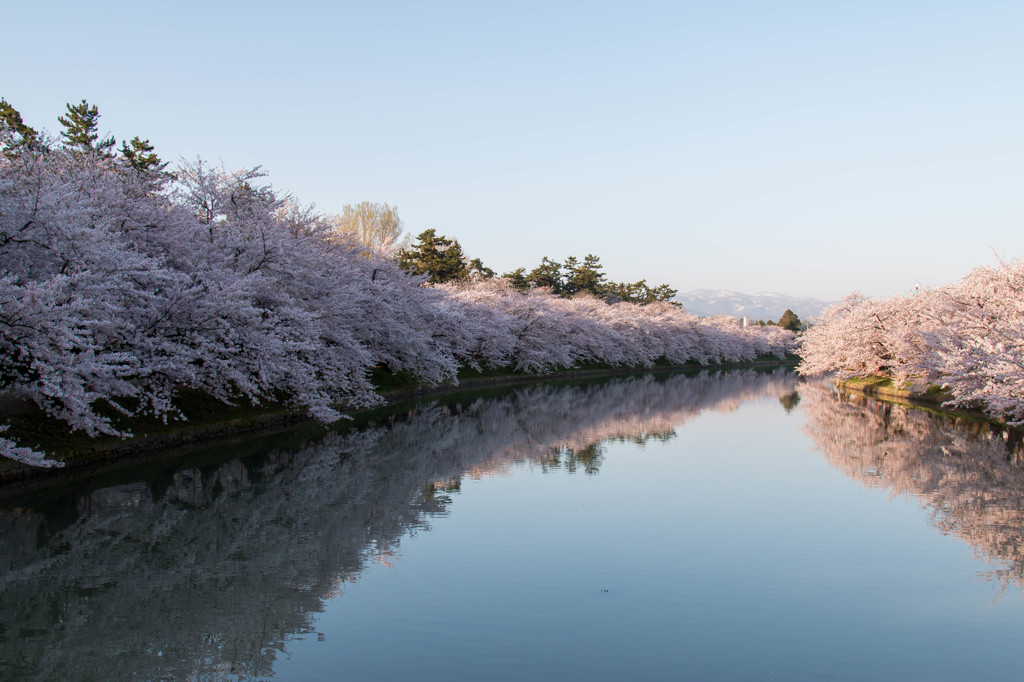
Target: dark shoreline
[149,447]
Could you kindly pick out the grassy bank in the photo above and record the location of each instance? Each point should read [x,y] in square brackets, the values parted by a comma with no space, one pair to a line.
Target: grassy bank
[208,420]
[927,397]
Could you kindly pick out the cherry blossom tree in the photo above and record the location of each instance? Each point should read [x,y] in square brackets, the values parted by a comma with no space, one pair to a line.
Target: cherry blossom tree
[966,338]
[978,350]
[121,285]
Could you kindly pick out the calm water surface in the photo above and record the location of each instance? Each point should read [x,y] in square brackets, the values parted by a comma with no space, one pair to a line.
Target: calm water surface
[722,526]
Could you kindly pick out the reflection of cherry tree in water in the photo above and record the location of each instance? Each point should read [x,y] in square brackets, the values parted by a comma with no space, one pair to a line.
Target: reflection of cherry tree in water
[208,572]
[966,337]
[120,289]
[969,473]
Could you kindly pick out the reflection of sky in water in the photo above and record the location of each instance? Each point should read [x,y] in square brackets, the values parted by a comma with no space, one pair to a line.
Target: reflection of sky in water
[966,473]
[729,549]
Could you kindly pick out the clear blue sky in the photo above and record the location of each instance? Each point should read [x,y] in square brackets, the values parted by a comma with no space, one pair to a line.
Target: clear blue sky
[809,148]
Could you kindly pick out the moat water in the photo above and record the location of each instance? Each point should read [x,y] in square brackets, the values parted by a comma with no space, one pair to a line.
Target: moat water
[725,525]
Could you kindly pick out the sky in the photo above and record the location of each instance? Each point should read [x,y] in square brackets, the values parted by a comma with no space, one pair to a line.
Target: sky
[805,148]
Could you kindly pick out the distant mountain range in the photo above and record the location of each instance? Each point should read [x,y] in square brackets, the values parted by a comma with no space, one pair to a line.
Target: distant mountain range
[764,306]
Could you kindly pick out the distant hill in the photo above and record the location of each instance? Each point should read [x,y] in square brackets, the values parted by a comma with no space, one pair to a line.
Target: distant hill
[764,306]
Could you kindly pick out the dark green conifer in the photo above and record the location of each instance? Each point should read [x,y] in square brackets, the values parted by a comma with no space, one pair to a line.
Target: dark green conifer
[790,321]
[440,258]
[663,292]
[518,279]
[478,269]
[586,277]
[641,293]
[139,155]
[81,130]
[10,118]
[547,274]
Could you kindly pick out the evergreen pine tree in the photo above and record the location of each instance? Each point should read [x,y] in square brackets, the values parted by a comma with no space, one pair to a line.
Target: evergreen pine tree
[586,277]
[437,256]
[789,321]
[81,130]
[640,293]
[10,119]
[547,274]
[478,269]
[570,283]
[139,155]
[518,278]
[664,293]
